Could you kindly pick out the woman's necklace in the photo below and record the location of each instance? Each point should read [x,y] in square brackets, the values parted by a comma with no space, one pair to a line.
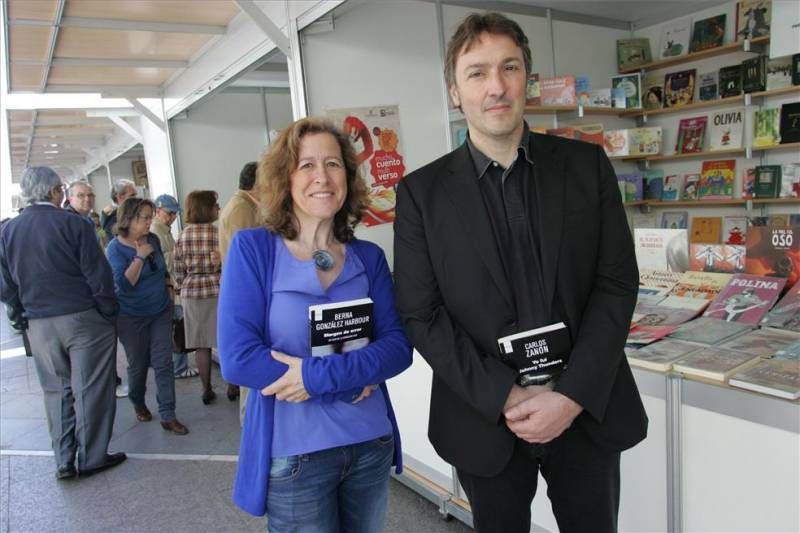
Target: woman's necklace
[323,260]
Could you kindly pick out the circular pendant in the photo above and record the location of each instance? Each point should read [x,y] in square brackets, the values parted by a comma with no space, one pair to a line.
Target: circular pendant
[323,260]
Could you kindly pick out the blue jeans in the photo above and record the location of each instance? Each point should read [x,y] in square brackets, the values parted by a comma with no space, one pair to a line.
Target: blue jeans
[342,489]
[180,362]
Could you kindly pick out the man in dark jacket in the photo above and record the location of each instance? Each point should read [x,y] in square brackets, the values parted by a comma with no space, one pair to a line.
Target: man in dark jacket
[54,275]
[121,191]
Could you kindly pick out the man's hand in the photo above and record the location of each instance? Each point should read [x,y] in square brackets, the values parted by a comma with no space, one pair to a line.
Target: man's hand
[289,387]
[520,394]
[542,418]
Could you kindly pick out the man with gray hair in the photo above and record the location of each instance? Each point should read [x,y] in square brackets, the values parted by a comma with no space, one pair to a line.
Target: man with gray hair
[54,275]
[121,191]
[80,195]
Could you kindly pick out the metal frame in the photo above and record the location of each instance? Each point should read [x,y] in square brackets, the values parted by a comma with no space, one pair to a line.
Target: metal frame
[126,25]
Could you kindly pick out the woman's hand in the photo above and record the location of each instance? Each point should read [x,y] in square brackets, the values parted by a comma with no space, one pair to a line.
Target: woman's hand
[143,248]
[289,387]
[216,260]
[369,389]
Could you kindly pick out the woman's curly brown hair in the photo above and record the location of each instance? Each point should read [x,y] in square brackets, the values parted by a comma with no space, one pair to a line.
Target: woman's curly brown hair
[276,166]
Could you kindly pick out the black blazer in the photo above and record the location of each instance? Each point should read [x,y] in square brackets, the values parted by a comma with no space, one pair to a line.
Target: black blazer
[455,300]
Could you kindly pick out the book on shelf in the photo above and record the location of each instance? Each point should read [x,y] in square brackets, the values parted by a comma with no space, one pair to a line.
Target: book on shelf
[726,129]
[600,98]
[661,249]
[539,355]
[653,92]
[660,279]
[753,19]
[717,180]
[790,352]
[590,133]
[748,182]
[724,258]
[633,186]
[754,74]
[651,295]
[533,95]
[705,230]
[734,229]
[675,38]
[660,356]
[778,220]
[714,363]
[776,377]
[643,220]
[786,313]
[619,98]
[709,331]
[679,88]
[790,181]
[779,73]
[461,136]
[730,81]
[766,127]
[615,143]
[648,314]
[558,91]
[707,86]
[796,69]
[768,181]
[700,285]
[653,179]
[643,335]
[632,85]
[790,123]
[697,305]
[675,220]
[564,131]
[340,327]
[633,52]
[746,298]
[774,251]
[690,135]
[691,187]
[708,33]
[645,141]
[761,342]
[673,188]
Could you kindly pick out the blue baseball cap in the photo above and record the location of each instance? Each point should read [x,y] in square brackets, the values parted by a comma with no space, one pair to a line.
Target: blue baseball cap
[165,201]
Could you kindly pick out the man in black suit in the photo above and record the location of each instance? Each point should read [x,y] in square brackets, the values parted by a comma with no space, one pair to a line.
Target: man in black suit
[509,232]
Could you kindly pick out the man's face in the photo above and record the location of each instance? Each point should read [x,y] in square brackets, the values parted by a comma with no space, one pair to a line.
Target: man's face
[129,192]
[490,84]
[82,198]
[165,216]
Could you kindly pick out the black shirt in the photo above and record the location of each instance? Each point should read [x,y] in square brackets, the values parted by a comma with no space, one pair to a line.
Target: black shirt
[509,196]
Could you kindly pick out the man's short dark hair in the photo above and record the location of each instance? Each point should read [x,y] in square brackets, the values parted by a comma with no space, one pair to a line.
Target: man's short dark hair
[247,177]
[470,30]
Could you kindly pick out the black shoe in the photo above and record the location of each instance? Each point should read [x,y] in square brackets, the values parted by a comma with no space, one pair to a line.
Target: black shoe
[112,460]
[66,471]
[209,396]
[232,392]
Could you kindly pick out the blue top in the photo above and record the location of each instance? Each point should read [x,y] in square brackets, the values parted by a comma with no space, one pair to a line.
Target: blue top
[315,425]
[149,296]
[244,341]
[52,265]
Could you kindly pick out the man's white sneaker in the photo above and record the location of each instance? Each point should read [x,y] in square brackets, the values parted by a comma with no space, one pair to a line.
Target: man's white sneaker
[122,391]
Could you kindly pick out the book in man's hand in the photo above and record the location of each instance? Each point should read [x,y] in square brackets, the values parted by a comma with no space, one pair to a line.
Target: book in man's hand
[539,354]
[340,327]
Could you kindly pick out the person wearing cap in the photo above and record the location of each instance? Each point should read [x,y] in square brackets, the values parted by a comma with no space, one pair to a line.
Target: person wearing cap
[54,276]
[167,210]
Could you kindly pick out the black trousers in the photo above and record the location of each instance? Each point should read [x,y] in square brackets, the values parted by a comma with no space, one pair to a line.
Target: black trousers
[582,484]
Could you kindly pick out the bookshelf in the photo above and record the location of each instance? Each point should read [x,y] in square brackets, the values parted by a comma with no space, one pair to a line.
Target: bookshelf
[711,154]
[580,109]
[787,146]
[730,48]
[736,202]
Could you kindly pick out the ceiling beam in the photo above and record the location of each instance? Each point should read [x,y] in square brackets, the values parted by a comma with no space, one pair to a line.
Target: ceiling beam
[127,128]
[265,24]
[66,121]
[110,91]
[100,62]
[117,111]
[144,110]
[126,25]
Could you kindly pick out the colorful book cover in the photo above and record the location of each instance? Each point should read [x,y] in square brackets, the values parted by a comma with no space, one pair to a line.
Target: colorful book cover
[766,127]
[690,135]
[700,285]
[642,220]
[707,86]
[649,314]
[633,52]
[673,188]
[768,181]
[754,74]
[679,88]
[708,33]
[790,123]
[726,129]
[779,73]
[653,179]
[691,187]
[761,342]
[722,258]
[619,98]
[558,91]
[717,180]
[748,182]
[675,38]
[746,298]
[714,363]
[697,305]
[600,98]
[790,180]
[730,81]
[615,143]
[734,229]
[705,230]
[653,92]
[776,377]
[786,313]
[705,330]
[565,132]
[661,279]
[660,356]
[590,133]
[774,251]
[583,87]
[795,69]
[533,94]
[645,141]
[643,335]
[661,249]
[753,18]
[675,220]
[634,189]
[632,85]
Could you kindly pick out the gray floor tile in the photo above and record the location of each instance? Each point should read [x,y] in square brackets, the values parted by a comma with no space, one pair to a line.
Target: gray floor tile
[15,432]
[22,405]
[5,484]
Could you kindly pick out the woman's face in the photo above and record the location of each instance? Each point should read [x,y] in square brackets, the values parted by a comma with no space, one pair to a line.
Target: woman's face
[319,184]
[140,224]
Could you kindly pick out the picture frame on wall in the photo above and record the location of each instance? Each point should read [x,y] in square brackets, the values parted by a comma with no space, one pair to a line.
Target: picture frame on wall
[140,173]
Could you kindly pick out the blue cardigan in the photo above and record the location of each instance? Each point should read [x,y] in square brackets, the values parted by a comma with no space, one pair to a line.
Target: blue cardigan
[244,350]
